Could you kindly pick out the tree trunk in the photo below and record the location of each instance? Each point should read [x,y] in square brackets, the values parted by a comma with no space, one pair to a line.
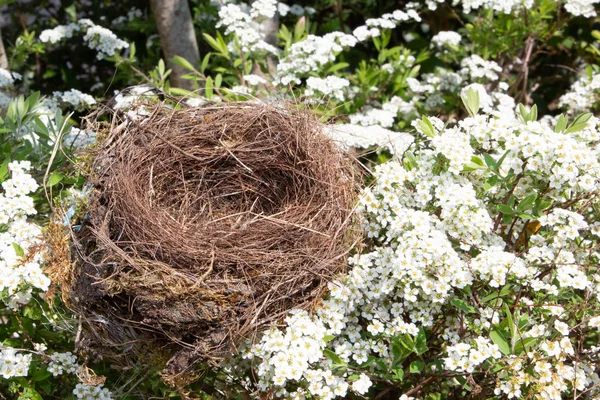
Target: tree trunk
[269,29]
[177,37]
[3,57]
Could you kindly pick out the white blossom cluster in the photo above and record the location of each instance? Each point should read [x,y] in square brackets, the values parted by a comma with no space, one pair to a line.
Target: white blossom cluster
[244,23]
[73,97]
[330,86]
[446,39]
[582,94]
[12,363]
[7,80]
[433,234]
[384,116]
[373,26]
[20,264]
[254,80]
[350,136]
[80,138]
[59,33]
[102,40]
[295,9]
[98,38]
[310,55]
[61,363]
[89,392]
[314,52]
[583,8]
[475,68]
[263,8]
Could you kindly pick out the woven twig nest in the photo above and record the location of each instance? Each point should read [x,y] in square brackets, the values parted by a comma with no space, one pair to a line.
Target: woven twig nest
[208,224]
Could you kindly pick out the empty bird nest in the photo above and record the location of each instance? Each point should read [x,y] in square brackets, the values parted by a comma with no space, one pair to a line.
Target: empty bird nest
[206,225]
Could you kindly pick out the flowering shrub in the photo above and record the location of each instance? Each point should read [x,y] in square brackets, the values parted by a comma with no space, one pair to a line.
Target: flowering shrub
[478,275]
[481,277]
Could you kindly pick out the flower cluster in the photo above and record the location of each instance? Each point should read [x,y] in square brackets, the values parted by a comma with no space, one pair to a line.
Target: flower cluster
[582,95]
[7,80]
[448,251]
[583,8]
[384,116]
[89,392]
[13,364]
[363,137]
[295,9]
[330,86]
[311,54]
[74,98]
[61,363]
[104,41]
[244,23]
[59,33]
[446,39]
[20,261]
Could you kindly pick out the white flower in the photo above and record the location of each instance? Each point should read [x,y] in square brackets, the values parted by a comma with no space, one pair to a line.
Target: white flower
[446,39]
[362,384]
[561,327]
[254,80]
[330,86]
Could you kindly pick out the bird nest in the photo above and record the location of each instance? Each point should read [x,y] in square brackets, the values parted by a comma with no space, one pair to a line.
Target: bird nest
[206,225]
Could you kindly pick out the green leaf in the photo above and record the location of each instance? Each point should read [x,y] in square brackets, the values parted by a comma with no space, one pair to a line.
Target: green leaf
[181,92]
[18,250]
[407,342]
[337,67]
[211,42]
[421,342]
[501,160]
[498,338]
[205,61]
[511,325]
[471,101]
[528,116]
[506,210]
[333,357]
[218,80]
[524,345]
[300,28]
[579,123]
[40,374]
[33,312]
[490,182]
[427,127]
[54,179]
[398,374]
[478,161]
[4,169]
[489,161]
[182,62]
[208,88]
[328,338]
[463,305]
[561,123]
[31,393]
[131,51]
[526,203]
[416,367]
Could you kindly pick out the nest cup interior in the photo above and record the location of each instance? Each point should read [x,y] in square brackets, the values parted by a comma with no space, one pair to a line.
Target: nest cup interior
[210,223]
